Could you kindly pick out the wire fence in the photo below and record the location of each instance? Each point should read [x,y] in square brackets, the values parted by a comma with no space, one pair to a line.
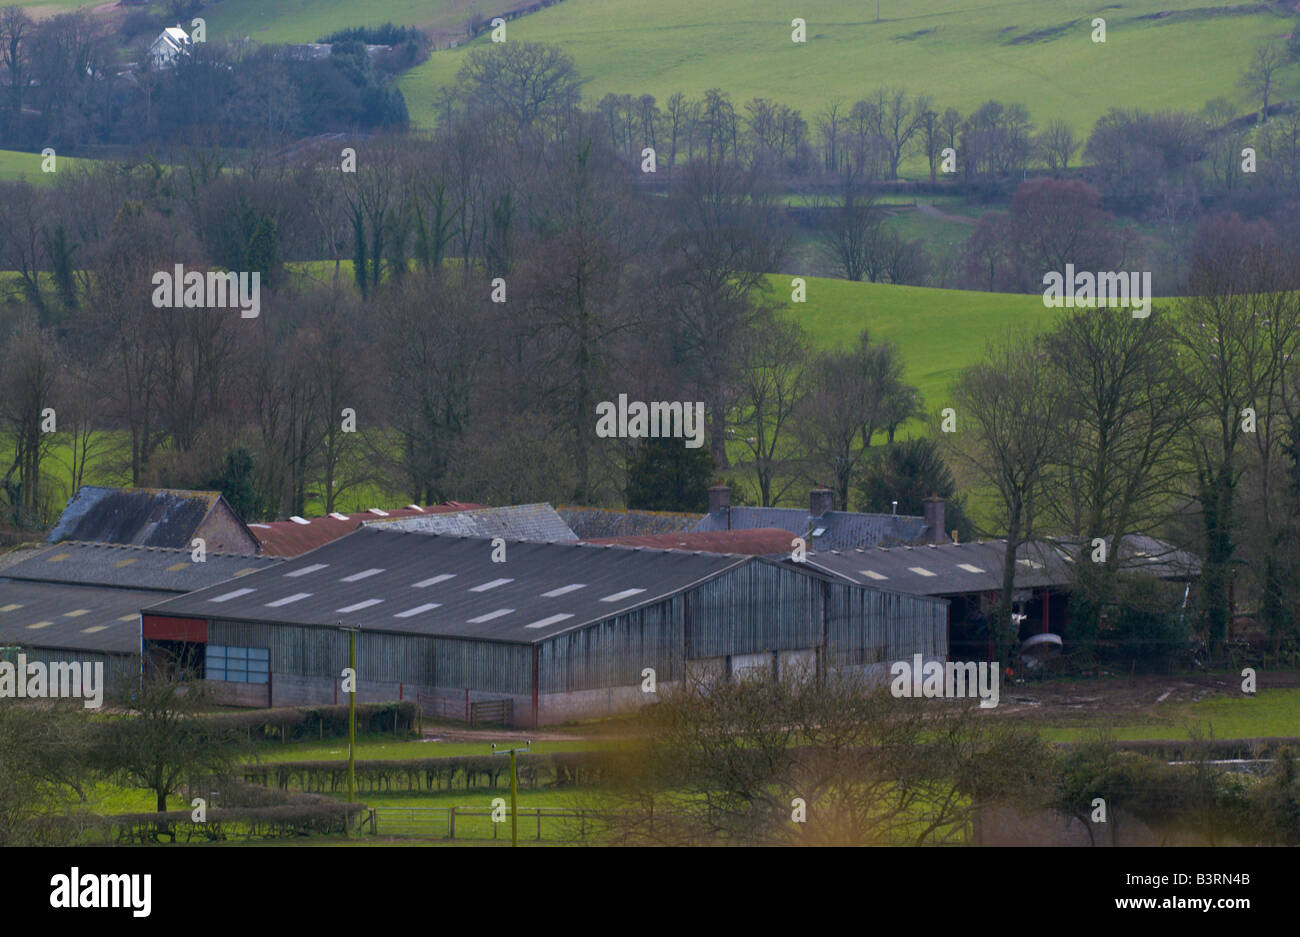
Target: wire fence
[539,824]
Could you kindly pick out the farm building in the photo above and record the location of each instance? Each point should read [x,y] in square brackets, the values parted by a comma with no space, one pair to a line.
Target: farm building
[970,576]
[297,535]
[558,630]
[824,528]
[591,523]
[535,522]
[82,601]
[761,541]
[154,517]
[171,42]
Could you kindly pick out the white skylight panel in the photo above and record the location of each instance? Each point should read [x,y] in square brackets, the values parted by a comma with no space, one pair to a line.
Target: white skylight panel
[337,516]
[227,596]
[299,520]
[490,615]
[307,569]
[872,574]
[920,570]
[625,594]
[490,585]
[550,620]
[971,568]
[432,581]
[360,605]
[418,610]
[564,590]
[364,574]
[288,600]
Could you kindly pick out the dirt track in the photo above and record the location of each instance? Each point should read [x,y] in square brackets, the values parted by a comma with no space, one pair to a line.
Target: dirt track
[1118,695]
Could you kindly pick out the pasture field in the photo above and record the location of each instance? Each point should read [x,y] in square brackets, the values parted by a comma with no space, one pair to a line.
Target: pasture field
[16,166]
[1158,53]
[939,332]
[962,54]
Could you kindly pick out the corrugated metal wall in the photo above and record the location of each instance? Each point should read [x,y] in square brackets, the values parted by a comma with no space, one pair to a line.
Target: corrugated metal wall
[867,627]
[615,651]
[757,607]
[386,658]
[119,669]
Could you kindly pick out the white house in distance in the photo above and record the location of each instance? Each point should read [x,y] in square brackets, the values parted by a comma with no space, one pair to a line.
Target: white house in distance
[170,43]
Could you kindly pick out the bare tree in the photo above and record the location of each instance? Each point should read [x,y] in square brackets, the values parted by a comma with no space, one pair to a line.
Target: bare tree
[868,768]
[853,232]
[1258,79]
[772,385]
[852,396]
[1008,434]
[1238,330]
[162,743]
[1058,145]
[28,389]
[714,277]
[1122,473]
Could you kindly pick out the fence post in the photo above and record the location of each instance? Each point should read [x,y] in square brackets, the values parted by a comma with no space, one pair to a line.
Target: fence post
[451,826]
[539,824]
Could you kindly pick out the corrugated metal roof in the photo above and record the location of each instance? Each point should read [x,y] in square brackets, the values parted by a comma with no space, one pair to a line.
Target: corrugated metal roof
[290,538]
[536,522]
[155,517]
[764,541]
[842,530]
[592,523]
[133,567]
[961,568]
[416,583]
[84,618]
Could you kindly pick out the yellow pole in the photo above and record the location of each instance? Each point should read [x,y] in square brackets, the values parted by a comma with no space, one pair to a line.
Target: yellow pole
[352,718]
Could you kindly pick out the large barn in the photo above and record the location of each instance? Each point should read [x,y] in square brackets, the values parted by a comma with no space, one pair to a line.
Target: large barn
[81,601]
[154,517]
[557,630]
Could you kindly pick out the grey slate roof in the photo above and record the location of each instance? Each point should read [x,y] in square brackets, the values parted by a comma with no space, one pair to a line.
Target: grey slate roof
[843,530]
[155,517]
[535,522]
[960,568]
[413,583]
[86,618]
[594,523]
[132,567]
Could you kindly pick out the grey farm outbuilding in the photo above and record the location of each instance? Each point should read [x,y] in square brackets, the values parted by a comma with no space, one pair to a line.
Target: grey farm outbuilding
[557,631]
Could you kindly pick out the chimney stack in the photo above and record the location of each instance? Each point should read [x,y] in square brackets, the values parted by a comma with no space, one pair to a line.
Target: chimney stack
[820,501]
[719,498]
[934,532]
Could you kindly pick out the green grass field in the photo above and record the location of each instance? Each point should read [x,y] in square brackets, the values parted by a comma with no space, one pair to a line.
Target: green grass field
[15,166]
[938,331]
[1040,54]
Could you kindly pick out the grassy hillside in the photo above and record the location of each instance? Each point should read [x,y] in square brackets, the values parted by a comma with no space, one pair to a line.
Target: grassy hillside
[1037,52]
[15,166]
[938,331]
